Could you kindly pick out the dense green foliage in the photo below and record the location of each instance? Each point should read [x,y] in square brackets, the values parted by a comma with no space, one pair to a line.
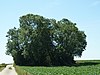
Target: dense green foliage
[45,42]
[84,68]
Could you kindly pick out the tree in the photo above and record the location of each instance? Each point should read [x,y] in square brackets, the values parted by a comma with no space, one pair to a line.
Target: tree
[42,41]
[69,40]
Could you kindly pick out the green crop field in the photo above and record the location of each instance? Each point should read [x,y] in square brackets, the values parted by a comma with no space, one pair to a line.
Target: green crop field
[82,68]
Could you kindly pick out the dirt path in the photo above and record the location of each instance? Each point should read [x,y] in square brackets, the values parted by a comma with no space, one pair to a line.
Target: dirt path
[8,70]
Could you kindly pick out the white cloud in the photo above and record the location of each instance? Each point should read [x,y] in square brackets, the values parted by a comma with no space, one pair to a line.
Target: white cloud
[54,3]
[95,3]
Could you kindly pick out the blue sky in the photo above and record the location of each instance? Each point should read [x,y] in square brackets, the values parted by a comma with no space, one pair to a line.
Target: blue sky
[86,13]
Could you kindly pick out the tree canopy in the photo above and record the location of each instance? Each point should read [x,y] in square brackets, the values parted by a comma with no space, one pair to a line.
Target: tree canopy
[41,41]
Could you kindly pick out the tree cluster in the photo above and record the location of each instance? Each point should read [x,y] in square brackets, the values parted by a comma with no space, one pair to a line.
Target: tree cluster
[41,41]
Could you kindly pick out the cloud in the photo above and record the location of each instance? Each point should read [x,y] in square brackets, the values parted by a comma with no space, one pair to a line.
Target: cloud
[95,3]
[54,2]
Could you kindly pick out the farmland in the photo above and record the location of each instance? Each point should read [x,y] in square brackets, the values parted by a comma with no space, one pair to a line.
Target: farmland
[89,67]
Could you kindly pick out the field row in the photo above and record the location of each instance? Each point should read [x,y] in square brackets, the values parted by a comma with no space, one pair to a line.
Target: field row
[82,68]
[87,68]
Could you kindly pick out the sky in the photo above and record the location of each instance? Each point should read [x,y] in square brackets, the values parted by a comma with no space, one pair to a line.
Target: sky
[85,13]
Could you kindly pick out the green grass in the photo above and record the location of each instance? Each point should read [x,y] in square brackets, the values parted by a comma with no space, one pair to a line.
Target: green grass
[21,71]
[2,66]
[82,68]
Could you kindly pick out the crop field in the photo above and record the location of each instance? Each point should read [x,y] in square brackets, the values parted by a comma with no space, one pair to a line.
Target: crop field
[82,68]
